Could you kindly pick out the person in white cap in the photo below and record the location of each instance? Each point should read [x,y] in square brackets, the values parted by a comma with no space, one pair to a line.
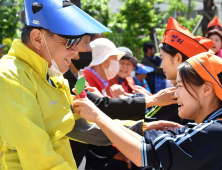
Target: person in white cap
[104,65]
[127,64]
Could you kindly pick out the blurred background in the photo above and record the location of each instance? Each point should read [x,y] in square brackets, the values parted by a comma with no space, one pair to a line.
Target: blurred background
[132,22]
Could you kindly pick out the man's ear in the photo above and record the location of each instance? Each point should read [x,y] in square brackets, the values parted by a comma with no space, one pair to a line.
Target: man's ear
[178,59]
[36,39]
[207,89]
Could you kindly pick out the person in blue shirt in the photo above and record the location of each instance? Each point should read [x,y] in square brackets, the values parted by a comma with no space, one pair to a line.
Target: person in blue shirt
[140,76]
[156,79]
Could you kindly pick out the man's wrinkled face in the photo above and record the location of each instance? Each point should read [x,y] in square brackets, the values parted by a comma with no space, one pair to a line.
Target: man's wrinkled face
[59,52]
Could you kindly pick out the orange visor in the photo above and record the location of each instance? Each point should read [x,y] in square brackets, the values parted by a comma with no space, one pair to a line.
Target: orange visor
[214,22]
[180,38]
[209,67]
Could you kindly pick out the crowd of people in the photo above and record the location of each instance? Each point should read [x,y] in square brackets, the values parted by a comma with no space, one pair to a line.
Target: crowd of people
[128,119]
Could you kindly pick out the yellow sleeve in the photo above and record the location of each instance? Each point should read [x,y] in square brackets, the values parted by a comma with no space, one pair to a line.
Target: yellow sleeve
[22,126]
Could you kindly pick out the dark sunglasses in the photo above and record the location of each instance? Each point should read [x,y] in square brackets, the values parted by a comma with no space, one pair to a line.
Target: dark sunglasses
[70,42]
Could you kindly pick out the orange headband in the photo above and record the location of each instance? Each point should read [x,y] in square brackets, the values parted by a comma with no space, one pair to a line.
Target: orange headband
[209,67]
[180,38]
[214,22]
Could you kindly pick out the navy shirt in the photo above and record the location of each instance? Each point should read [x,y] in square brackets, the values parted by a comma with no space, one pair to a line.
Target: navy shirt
[193,147]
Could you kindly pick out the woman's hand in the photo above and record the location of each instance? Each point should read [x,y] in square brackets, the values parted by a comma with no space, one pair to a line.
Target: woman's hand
[86,109]
[95,91]
[139,89]
[162,125]
[117,91]
[162,98]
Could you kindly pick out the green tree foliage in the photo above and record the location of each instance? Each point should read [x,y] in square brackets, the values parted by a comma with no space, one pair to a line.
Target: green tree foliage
[131,26]
[136,18]
[181,10]
[9,21]
[97,9]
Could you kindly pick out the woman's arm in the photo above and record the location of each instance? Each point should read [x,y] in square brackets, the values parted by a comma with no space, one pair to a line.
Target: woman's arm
[130,132]
[126,143]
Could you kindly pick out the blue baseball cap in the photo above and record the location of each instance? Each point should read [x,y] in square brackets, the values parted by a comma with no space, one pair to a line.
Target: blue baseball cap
[61,17]
[142,69]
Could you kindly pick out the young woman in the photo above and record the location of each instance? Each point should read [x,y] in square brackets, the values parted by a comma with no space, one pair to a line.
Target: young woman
[195,146]
[216,36]
[177,45]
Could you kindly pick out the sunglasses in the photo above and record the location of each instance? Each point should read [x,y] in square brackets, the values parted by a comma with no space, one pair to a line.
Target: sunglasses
[70,42]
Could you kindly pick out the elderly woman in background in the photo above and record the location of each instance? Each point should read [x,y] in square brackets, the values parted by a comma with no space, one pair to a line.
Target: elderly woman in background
[122,85]
[127,63]
[104,65]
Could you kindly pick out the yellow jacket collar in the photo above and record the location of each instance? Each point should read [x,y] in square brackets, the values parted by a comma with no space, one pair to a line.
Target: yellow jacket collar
[23,53]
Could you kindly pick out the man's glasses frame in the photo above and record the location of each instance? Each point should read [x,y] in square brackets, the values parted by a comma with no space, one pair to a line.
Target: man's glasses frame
[70,42]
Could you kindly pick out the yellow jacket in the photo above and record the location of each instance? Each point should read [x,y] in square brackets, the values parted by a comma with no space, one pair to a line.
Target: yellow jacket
[35,116]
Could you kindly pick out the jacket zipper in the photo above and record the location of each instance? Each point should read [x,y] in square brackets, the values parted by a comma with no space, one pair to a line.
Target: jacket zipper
[61,92]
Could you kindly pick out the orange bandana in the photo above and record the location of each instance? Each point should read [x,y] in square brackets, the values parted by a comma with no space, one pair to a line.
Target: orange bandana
[209,67]
[180,38]
[214,22]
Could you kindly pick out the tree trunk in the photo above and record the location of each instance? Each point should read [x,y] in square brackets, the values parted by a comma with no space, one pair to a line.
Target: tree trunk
[208,8]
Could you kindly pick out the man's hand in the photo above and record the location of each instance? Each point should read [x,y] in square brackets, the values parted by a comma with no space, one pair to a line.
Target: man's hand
[95,91]
[161,125]
[162,98]
[117,91]
[139,89]
[119,156]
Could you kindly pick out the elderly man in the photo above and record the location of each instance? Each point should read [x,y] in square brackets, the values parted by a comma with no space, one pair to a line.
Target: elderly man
[36,110]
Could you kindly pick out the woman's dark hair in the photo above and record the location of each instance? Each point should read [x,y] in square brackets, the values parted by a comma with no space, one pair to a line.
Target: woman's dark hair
[172,51]
[210,33]
[95,36]
[148,45]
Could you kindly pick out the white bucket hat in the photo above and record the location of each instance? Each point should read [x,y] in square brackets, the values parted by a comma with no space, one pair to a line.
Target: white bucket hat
[102,49]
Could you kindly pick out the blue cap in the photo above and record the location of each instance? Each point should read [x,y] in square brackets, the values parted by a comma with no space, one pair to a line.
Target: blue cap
[142,69]
[62,18]
[1,46]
